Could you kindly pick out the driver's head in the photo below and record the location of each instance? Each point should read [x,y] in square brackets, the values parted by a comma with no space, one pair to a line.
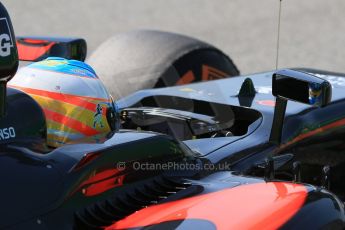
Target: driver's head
[75,102]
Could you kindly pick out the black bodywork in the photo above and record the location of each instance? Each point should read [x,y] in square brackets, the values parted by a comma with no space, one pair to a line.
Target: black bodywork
[57,189]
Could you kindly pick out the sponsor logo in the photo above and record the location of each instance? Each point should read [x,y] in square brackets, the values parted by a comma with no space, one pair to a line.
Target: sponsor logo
[6,42]
[97,118]
[7,133]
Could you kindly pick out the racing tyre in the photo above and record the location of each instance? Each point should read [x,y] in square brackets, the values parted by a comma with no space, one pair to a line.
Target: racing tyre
[146,59]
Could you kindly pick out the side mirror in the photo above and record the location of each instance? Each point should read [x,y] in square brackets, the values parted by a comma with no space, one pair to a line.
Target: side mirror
[297,86]
[39,48]
[8,55]
[301,87]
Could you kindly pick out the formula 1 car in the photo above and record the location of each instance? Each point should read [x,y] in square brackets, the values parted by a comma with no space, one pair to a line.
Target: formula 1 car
[223,154]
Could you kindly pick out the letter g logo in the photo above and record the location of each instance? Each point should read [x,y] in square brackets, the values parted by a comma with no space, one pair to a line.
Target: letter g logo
[5,45]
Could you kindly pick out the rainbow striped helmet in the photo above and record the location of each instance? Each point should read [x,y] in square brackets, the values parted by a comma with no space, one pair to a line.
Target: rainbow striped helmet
[75,102]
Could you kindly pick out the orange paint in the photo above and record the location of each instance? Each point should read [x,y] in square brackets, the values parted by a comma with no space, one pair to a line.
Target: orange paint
[67,98]
[322,129]
[253,206]
[34,41]
[270,103]
[101,182]
[187,78]
[70,122]
[104,186]
[108,173]
[210,73]
[31,50]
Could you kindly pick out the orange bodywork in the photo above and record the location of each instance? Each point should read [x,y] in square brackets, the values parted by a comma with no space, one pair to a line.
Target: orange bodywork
[252,206]
[31,49]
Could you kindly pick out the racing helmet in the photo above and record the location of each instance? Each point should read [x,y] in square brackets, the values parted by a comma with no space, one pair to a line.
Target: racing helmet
[315,94]
[75,102]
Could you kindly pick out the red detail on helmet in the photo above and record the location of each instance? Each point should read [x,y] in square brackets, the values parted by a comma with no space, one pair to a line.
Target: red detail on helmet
[67,98]
[70,122]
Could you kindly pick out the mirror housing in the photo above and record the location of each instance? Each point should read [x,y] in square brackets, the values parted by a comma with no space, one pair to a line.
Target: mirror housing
[298,86]
[8,55]
[301,87]
[39,48]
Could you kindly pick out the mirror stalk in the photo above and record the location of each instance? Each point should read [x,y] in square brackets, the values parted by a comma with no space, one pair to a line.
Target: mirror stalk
[278,121]
[298,86]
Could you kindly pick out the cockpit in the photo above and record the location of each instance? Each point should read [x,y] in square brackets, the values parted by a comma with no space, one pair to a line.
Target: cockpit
[186,118]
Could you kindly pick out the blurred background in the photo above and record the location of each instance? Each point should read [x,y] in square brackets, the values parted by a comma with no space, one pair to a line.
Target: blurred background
[312,31]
